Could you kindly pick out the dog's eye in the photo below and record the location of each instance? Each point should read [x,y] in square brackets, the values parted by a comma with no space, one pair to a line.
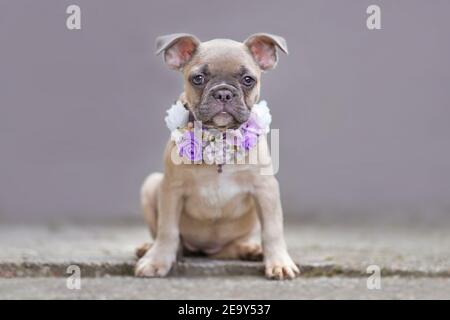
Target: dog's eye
[248,81]
[198,80]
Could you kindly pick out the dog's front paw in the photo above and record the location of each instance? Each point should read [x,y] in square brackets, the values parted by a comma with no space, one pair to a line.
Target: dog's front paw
[281,268]
[149,266]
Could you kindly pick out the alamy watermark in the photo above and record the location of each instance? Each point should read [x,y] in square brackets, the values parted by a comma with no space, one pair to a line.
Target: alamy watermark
[73,281]
[73,21]
[374,280]
[243,146]
[373,21]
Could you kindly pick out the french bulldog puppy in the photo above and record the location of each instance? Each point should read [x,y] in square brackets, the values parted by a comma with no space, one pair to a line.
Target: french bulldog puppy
[192,206]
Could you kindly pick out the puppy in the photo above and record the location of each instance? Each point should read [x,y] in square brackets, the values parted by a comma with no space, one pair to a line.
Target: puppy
[223,215]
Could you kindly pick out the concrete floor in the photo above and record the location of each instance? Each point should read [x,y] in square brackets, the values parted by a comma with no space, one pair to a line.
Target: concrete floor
[414,263]
[225,287]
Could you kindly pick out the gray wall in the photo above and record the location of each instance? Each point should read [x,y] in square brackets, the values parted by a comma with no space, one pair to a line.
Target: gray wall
[364,115]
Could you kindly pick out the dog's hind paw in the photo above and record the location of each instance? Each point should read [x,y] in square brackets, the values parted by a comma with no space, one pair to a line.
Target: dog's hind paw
[250,252]
[142,250]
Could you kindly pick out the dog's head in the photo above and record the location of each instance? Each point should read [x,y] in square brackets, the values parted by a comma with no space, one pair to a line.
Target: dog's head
[222,77]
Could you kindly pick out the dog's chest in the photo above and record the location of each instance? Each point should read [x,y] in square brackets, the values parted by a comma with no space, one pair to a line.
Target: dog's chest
[211,190]
[219,191]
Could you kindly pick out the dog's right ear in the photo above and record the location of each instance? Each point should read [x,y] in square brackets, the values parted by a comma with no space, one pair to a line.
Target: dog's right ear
[178,48]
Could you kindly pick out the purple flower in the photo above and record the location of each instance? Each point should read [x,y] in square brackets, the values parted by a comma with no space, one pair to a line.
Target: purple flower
[252,126]
[249,140]
[190,147]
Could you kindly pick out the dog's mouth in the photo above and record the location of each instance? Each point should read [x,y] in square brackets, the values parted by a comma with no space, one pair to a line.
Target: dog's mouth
[223,120]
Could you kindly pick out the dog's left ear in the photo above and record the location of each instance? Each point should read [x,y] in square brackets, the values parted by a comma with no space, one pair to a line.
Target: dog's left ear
[263,48]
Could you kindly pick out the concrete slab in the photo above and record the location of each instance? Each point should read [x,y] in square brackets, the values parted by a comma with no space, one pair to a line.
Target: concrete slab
[246,287]
[101,250]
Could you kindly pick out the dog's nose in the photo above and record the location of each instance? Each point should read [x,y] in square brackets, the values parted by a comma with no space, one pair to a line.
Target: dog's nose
[223,95]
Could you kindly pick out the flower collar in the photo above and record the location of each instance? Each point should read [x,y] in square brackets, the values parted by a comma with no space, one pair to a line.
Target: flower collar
[211,146]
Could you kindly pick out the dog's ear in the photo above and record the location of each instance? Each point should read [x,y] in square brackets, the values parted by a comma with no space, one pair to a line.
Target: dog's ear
[263,48]
[178,48]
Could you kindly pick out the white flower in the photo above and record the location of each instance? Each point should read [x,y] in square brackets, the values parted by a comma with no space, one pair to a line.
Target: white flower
[240,155]
[177,116]
[209,154]
[233,137]
[262,115]
[176,135]
[219,155]
[213,153]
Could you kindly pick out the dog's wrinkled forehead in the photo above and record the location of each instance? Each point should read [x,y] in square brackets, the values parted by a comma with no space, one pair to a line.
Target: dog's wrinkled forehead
[222,56]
